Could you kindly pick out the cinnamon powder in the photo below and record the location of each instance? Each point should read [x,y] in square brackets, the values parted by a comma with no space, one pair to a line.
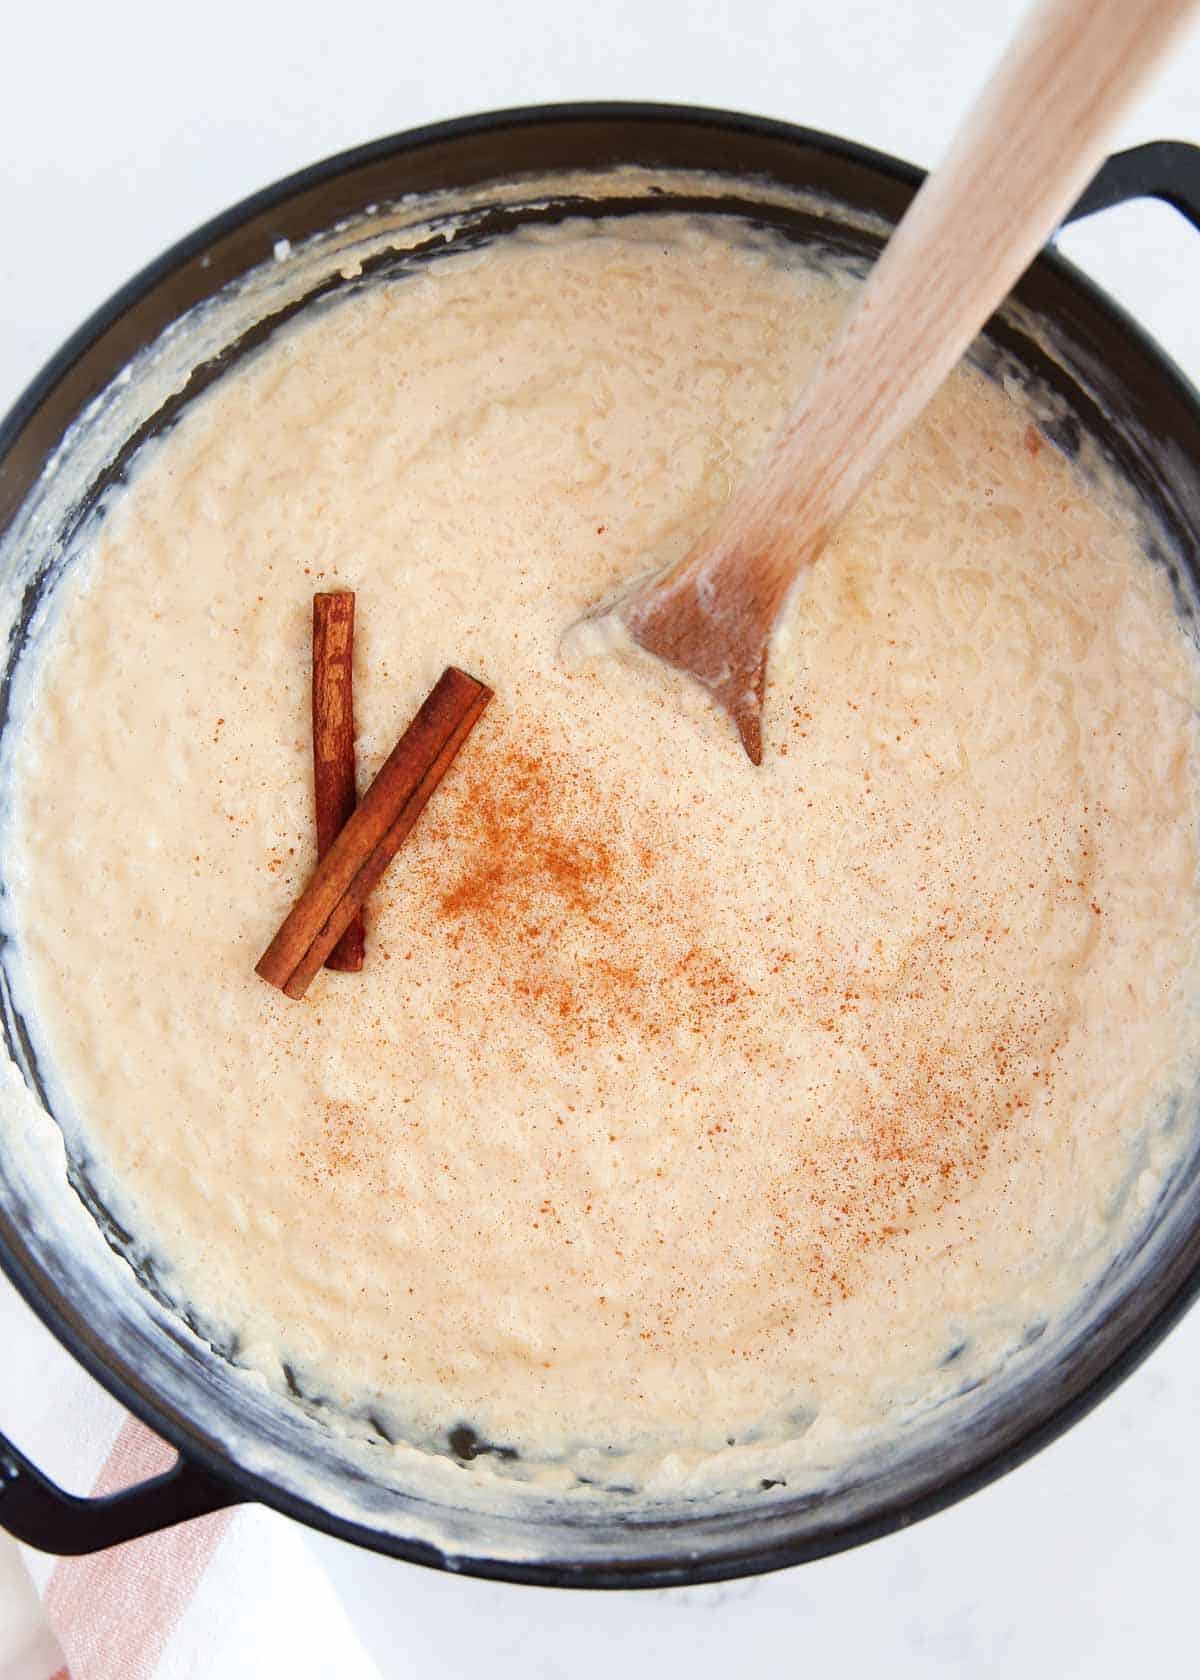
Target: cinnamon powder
[550,890]
[557,896]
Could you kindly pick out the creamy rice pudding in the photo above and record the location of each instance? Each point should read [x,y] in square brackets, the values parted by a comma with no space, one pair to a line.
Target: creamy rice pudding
[678,1105]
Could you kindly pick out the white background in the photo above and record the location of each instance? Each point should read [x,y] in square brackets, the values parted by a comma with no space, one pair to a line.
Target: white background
[121,127]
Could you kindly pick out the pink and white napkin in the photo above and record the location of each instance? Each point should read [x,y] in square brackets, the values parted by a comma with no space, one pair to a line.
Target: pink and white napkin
[236,1593]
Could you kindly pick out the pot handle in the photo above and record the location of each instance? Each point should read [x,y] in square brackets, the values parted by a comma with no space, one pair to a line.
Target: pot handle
[1166,169]
[34,1510]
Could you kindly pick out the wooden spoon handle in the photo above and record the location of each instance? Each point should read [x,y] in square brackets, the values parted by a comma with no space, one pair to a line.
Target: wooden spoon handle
[1028,148]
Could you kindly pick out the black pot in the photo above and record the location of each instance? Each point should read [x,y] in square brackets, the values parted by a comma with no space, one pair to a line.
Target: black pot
[237,1444]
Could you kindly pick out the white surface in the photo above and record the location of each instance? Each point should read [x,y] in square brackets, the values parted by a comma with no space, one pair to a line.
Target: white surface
[236,1594]
[120,129]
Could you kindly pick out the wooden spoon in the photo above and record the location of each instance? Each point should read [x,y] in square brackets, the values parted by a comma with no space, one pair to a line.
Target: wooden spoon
[1029,146]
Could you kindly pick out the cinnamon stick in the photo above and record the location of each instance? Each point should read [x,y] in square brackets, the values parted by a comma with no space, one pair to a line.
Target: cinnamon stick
[333,744]
[374,833]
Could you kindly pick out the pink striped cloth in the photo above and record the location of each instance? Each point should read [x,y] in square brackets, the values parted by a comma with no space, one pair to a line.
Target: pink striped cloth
[236,1593]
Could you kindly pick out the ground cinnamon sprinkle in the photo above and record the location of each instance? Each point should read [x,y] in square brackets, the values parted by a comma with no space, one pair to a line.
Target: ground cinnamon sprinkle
[523,852]
[346,1145]
[549,890]
[555,898]
[930,1103]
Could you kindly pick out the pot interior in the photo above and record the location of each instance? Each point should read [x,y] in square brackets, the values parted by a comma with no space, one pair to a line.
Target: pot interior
[123,383]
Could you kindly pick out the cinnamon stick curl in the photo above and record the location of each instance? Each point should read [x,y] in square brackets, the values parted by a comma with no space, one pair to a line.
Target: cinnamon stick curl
[334,790]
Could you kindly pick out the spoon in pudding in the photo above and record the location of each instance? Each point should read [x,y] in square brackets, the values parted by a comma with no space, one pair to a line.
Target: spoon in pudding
[1029,146]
